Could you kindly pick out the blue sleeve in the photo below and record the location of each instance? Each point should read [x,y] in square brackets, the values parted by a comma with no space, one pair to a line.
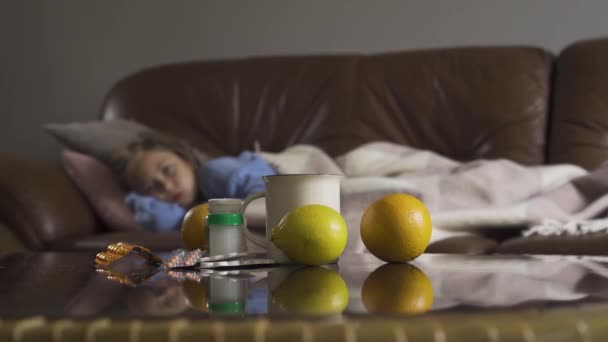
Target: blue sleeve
[154,214]
[233,177]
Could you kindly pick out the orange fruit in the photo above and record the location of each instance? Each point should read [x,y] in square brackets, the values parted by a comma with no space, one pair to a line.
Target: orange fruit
[194,227]
[397,289]
[396,228]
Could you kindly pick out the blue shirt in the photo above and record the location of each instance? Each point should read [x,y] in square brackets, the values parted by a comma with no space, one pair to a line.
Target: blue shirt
[233,177]
[225,177]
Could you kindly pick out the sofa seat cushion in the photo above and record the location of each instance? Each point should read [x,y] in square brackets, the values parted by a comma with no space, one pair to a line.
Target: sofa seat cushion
[98,242]
[470,245]
[592,244]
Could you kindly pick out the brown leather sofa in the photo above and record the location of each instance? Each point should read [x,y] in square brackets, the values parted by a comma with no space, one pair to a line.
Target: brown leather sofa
[522,103]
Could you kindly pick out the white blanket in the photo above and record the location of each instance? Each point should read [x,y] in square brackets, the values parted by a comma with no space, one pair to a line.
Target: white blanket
[462,197]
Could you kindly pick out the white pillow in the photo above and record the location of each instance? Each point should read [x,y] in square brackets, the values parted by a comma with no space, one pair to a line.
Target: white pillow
[98,139]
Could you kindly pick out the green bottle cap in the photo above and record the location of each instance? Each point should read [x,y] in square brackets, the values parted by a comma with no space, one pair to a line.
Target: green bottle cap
[225,219]
[227,307]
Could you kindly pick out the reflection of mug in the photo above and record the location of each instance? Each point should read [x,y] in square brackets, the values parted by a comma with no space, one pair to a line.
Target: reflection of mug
[286,192]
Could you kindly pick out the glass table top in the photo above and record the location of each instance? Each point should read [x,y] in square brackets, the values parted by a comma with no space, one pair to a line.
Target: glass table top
[67,285]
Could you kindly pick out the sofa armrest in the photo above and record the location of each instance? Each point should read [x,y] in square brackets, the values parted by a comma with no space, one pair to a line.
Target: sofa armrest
[9,242]
[40,204]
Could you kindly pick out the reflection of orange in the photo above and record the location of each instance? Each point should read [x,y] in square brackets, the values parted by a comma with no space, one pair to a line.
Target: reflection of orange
[197,294]
[194,227]
[396,228]
[397,288]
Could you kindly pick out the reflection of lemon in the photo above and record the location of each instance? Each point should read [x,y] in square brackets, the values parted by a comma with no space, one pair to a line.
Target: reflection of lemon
[196,294]
[397,288]
[194,227]
[311,234]
[396,228]
[312,290]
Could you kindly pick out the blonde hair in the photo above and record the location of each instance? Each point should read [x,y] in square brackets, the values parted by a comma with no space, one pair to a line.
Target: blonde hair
[153,141]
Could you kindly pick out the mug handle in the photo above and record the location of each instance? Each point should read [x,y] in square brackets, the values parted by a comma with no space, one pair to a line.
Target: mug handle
[251,236]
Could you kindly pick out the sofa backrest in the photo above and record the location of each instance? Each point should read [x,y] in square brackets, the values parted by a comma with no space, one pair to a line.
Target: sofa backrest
[465,103]
[223,107]
[579,123]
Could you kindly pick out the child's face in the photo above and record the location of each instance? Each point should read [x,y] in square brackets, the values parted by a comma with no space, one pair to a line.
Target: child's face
[164,175]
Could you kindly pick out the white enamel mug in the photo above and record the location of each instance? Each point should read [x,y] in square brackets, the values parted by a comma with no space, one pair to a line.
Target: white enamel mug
[286,192]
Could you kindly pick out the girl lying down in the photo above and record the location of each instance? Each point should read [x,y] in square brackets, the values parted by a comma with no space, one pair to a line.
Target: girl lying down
[167,177]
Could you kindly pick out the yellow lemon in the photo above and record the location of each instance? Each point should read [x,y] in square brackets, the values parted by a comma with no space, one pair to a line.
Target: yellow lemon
[396,228]
[196,293]
[311,234]
[312,290]
[194,227]
[397,289]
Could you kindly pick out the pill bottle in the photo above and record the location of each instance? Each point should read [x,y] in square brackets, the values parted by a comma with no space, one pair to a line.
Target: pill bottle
[225,222]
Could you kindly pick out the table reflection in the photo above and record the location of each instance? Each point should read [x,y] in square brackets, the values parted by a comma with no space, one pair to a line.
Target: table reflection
[62,285]
[280,290]
[362,284]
